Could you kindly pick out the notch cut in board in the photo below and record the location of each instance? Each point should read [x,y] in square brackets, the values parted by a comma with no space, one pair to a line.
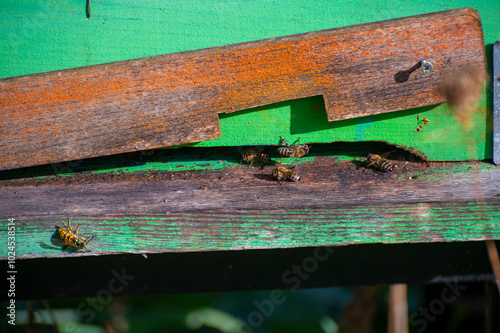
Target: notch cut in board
[175,99]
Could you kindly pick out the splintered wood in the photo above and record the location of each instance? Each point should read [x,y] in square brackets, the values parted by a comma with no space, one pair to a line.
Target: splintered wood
[175,99]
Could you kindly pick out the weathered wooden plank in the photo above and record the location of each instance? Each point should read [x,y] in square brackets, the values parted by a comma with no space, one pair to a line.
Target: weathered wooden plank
[242,208]
[175,99]
[323,184]
[263,229]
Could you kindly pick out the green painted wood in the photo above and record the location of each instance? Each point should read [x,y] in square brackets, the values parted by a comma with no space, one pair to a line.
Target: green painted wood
[244,208]
[40,36]
[214,231]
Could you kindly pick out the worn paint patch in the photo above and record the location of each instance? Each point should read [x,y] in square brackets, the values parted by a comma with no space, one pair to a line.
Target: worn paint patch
[362,125]
[269,229]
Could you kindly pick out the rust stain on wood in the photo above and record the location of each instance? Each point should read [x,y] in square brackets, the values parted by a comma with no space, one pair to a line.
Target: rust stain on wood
[175,99]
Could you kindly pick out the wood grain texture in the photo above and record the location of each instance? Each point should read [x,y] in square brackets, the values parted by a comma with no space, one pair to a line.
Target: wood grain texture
[243,208]
[175,99]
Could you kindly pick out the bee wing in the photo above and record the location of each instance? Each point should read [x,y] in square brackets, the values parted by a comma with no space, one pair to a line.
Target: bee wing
[60,242]
[385,155]
[56,240]
[258,149]
[241,150]
[68,246]
[48,246]
[244,150]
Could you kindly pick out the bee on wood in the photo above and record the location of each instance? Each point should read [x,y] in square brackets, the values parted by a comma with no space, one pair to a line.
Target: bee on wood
[378,163]
[70,238]
[282,174]
[254,155]
[295,150]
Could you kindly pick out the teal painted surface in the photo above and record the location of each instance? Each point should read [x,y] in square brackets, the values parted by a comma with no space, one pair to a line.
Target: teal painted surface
[39,36]
[415,223]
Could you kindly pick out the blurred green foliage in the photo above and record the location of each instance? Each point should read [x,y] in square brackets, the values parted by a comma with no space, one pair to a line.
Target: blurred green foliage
[312,310]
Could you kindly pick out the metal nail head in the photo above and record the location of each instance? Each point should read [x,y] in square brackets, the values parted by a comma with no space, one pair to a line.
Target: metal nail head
[426,66]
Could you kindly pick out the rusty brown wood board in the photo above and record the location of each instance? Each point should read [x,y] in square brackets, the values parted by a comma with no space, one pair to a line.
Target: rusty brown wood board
[175,99]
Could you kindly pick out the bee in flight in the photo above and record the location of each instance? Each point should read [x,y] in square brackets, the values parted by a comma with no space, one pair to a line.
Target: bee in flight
[295,150]
[255,155]
[378,163]
[70,238]
[282,174]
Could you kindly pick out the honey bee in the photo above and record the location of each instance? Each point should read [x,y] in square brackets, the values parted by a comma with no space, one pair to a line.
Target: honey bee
[282,173]
[378,163]
[295,150]
[258,156]
[70,238]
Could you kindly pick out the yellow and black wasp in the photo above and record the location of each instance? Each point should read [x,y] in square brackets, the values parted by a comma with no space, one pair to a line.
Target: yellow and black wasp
[70,238]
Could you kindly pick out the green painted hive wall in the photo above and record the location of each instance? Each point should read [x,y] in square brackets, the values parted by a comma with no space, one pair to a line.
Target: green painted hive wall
[39,36]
